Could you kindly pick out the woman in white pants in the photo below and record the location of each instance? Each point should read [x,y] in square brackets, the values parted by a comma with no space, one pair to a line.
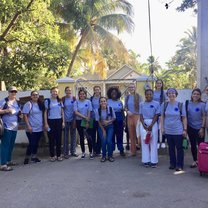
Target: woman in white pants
[149,111]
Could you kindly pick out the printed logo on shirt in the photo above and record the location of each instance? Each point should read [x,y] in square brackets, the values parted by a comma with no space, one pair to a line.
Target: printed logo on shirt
[119,104]
[72,101]
[86,105]
[176,109]
[151,106]
[197,109]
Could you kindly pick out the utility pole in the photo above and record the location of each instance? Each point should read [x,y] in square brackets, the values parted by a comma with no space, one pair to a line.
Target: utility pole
[202,44]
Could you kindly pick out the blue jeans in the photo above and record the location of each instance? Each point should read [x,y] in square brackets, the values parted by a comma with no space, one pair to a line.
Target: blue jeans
[7,145]
[107,142]
[69,128]
[33,139]
[175,143]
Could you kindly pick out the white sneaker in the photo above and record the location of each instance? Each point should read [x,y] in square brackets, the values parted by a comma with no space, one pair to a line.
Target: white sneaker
[163,145]
[158,145]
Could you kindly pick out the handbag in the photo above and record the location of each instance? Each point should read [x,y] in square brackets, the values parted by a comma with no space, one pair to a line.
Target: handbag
[148,137]
[1,128]
[84,122]
[185,143]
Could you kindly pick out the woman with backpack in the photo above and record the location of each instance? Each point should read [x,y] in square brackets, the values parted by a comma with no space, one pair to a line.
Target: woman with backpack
[174,126]
[132,102]
[149,111]
[54,123]
[10,112]
[196,118]
[33,115]
[114,95]
[70,123]
[82,109]
[160,97]
[105,116]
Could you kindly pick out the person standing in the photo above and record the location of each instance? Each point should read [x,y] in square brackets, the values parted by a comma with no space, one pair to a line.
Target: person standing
[174,126]
[114,101]
[105,116]
[149,112]
[10,111]
[196,122]
[54,123]
[70,123]
[33,111]
[132,102]
[82,109]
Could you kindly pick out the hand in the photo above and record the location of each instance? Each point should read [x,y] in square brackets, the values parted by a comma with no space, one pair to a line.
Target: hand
[87,125]
[63,125]
[105,122]
[87,118]
[163,131]
[149,128]
[46,127]
[29,129]
[8,110]
[201,133]
[184,133]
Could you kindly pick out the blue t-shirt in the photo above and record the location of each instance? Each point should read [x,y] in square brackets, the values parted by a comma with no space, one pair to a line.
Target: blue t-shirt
[55,109]
[83,107]
[10,120]
[149,109]
[195,113]
[172,119]
[117,105]
[156,96]
[129,104]
[35,116]
[95,105]
[69,108]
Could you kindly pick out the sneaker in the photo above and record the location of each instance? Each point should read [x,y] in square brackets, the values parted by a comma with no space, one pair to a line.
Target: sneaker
[52,159]
[35,160]
[66,156]
[158,145]
[83,156]
[6,168]
[122,153]
[26,161]
[146,165]
[103,159]
[11,163]
[178,169]
[59,158]
[91,156]
[74,155]
[153,165]
[163,145]
[111,159]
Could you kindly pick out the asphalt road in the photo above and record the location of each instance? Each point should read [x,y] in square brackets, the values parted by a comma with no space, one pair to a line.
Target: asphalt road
[125,183]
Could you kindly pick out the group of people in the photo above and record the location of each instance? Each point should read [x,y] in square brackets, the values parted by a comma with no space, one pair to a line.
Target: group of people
[101,120]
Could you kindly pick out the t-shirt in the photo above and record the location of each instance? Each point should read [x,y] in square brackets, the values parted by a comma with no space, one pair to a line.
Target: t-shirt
[117,105]
[149,109]
[156,96]
[55,109]
[35,116]
[129,103]
[10,120]
[172,119]
[82,107]
[195,112]
[95,105]
[68,109]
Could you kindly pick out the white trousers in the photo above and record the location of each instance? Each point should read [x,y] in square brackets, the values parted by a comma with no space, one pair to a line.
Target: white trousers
[149,151]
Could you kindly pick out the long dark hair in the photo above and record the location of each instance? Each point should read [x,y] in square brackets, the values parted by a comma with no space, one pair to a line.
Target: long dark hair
[161,90]
[196,90]
[58,98]
[40,102]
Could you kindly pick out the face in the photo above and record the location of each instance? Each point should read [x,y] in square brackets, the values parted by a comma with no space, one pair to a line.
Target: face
[54,93]
[97,91]
[149,95]
[68,91]
[82,95]
[114,94]
[12,93]
[171,95]
[103,102]
[158,85]
[131,88]
[196,96]
[34,96]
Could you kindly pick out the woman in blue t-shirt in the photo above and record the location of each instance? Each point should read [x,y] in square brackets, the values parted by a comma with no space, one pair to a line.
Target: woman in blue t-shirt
[196,122]
[33,116]
[54,123]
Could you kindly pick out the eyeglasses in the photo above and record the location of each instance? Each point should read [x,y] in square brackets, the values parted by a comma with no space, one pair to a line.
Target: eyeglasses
[13,91]
[35,94]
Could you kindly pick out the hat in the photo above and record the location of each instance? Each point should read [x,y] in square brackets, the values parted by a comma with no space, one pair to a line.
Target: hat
[12,88]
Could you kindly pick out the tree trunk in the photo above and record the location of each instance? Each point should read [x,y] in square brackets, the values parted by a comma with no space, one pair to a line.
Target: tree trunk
[83,35]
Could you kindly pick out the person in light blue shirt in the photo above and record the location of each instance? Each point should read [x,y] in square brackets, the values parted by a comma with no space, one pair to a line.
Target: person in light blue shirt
[196,117]
[70,123]
[33,115]
[54,123]
[174,126]
[83,109]
[149,111]
[10,111]
[114,101]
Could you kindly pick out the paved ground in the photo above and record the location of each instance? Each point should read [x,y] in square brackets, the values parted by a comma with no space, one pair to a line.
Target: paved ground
[77,183]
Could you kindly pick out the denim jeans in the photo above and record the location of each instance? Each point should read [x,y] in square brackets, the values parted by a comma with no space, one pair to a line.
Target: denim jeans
[69,129]
[7,145]
[107,142]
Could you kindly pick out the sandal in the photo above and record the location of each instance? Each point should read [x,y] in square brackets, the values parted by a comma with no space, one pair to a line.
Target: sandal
[52,159]
[59,159]
[6,168]
[103,159]
[194,165]
[11,163]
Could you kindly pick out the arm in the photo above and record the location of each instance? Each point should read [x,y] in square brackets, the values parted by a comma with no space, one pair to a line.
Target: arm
[184,121]
[202,129]
[162,124]
[46,119]
[154,120]
[27,123]
[63,119]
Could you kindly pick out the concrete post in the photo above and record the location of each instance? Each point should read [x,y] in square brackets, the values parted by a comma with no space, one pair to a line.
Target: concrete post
[202,44]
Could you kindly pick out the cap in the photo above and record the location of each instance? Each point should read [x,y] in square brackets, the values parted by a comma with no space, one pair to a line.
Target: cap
[12,88]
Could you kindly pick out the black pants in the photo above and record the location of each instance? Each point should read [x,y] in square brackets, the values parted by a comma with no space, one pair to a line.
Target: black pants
[82,133]
[195,140]
[33,139]
[54,136]
[96,141]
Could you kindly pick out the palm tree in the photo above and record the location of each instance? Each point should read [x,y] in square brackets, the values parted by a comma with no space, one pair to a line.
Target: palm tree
[95,20]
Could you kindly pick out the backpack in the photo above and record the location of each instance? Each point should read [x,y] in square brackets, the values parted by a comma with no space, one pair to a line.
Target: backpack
[107,110]
[180,106]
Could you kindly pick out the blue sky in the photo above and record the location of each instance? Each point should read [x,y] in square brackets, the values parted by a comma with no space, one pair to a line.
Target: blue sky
[168,27]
